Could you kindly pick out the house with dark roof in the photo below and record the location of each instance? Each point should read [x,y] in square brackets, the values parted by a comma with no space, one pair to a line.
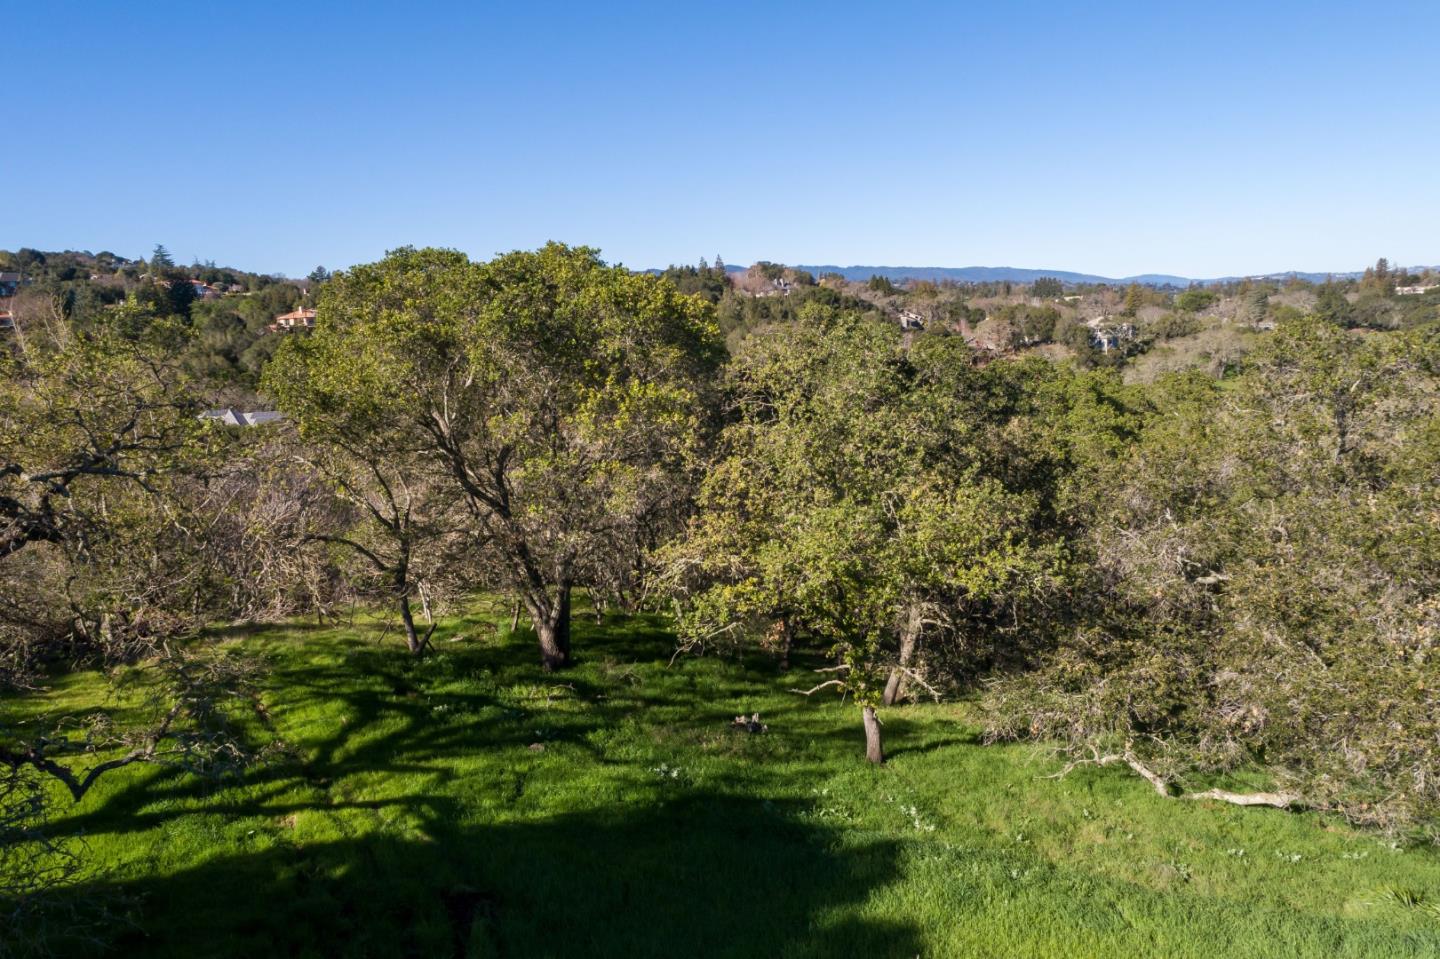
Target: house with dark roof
[233,417]
[910,320]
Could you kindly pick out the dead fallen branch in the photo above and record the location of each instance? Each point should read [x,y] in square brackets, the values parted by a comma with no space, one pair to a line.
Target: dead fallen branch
[829,682]
[1168,790]
[816,689]
[914,675]
[1278,800]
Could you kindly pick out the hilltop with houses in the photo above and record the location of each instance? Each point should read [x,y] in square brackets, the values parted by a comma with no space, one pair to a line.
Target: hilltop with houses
[233,312]
[1143,328]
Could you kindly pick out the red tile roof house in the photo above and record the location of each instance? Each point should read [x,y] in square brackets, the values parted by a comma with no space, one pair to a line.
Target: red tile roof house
[303,319]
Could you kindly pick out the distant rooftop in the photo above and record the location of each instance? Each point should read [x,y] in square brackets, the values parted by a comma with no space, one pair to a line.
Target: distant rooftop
[233,417]
[303,318]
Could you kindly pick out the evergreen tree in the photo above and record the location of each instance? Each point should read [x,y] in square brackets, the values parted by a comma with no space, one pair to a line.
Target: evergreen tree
[1134,299]
[1332,304]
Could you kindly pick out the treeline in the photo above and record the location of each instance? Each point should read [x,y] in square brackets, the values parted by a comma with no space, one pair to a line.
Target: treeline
[738,308]
[1136,328]
[1204,580]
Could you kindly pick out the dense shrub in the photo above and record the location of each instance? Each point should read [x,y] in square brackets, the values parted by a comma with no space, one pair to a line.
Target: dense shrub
[1263,584]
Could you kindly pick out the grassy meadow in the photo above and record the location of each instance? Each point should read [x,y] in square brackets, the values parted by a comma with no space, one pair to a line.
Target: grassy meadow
[469,805]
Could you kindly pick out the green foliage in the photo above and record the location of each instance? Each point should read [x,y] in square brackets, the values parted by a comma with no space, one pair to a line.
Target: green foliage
[1195,299]
[1038,324]
[738,315]
[1222,582]
[1333,305]
[1048,287]
[958,311]
[1075,335]
[1174,325]
[83,420]
[102,561]
[564,398]
[1134,299]
[83,291]
[855,496]
[105,522]
[1265,567]
[704,281]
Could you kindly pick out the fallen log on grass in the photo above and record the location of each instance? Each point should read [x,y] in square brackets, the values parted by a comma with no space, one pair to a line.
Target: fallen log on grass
[1167,790]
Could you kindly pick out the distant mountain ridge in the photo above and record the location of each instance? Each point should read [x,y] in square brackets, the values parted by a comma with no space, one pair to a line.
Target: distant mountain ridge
[1000,274]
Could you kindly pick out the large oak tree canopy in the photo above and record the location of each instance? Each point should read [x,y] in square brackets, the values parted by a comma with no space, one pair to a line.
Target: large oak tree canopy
[859,495]
[563,398]
[97,411]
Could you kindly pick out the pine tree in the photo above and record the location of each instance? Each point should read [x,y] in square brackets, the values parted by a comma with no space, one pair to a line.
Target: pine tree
[1134,299]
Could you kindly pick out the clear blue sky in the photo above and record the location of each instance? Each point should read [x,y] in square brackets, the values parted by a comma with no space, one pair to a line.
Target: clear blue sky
[1116,138]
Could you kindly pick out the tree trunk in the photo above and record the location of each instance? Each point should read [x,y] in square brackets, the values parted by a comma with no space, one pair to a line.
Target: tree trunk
[874,752]
[787,640]
[412,638]
[515,618]
[551,657]
[553,629]
[909,642]
[562,622]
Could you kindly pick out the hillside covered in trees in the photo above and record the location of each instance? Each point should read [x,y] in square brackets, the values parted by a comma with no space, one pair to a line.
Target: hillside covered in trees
[226,312]
[701,543]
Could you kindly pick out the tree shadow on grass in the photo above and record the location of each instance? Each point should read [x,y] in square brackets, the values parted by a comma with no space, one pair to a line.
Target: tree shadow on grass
[917,739]
[655,874]
[703,875]
[249,628]
[390,714]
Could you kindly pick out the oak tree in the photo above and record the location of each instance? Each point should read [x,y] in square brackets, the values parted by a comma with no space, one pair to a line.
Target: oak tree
[563,398]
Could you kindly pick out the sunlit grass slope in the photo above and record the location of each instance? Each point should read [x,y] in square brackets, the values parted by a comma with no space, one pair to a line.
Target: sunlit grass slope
[470,805]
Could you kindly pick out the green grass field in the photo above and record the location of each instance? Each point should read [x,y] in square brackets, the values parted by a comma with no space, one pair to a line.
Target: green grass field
[422,817]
